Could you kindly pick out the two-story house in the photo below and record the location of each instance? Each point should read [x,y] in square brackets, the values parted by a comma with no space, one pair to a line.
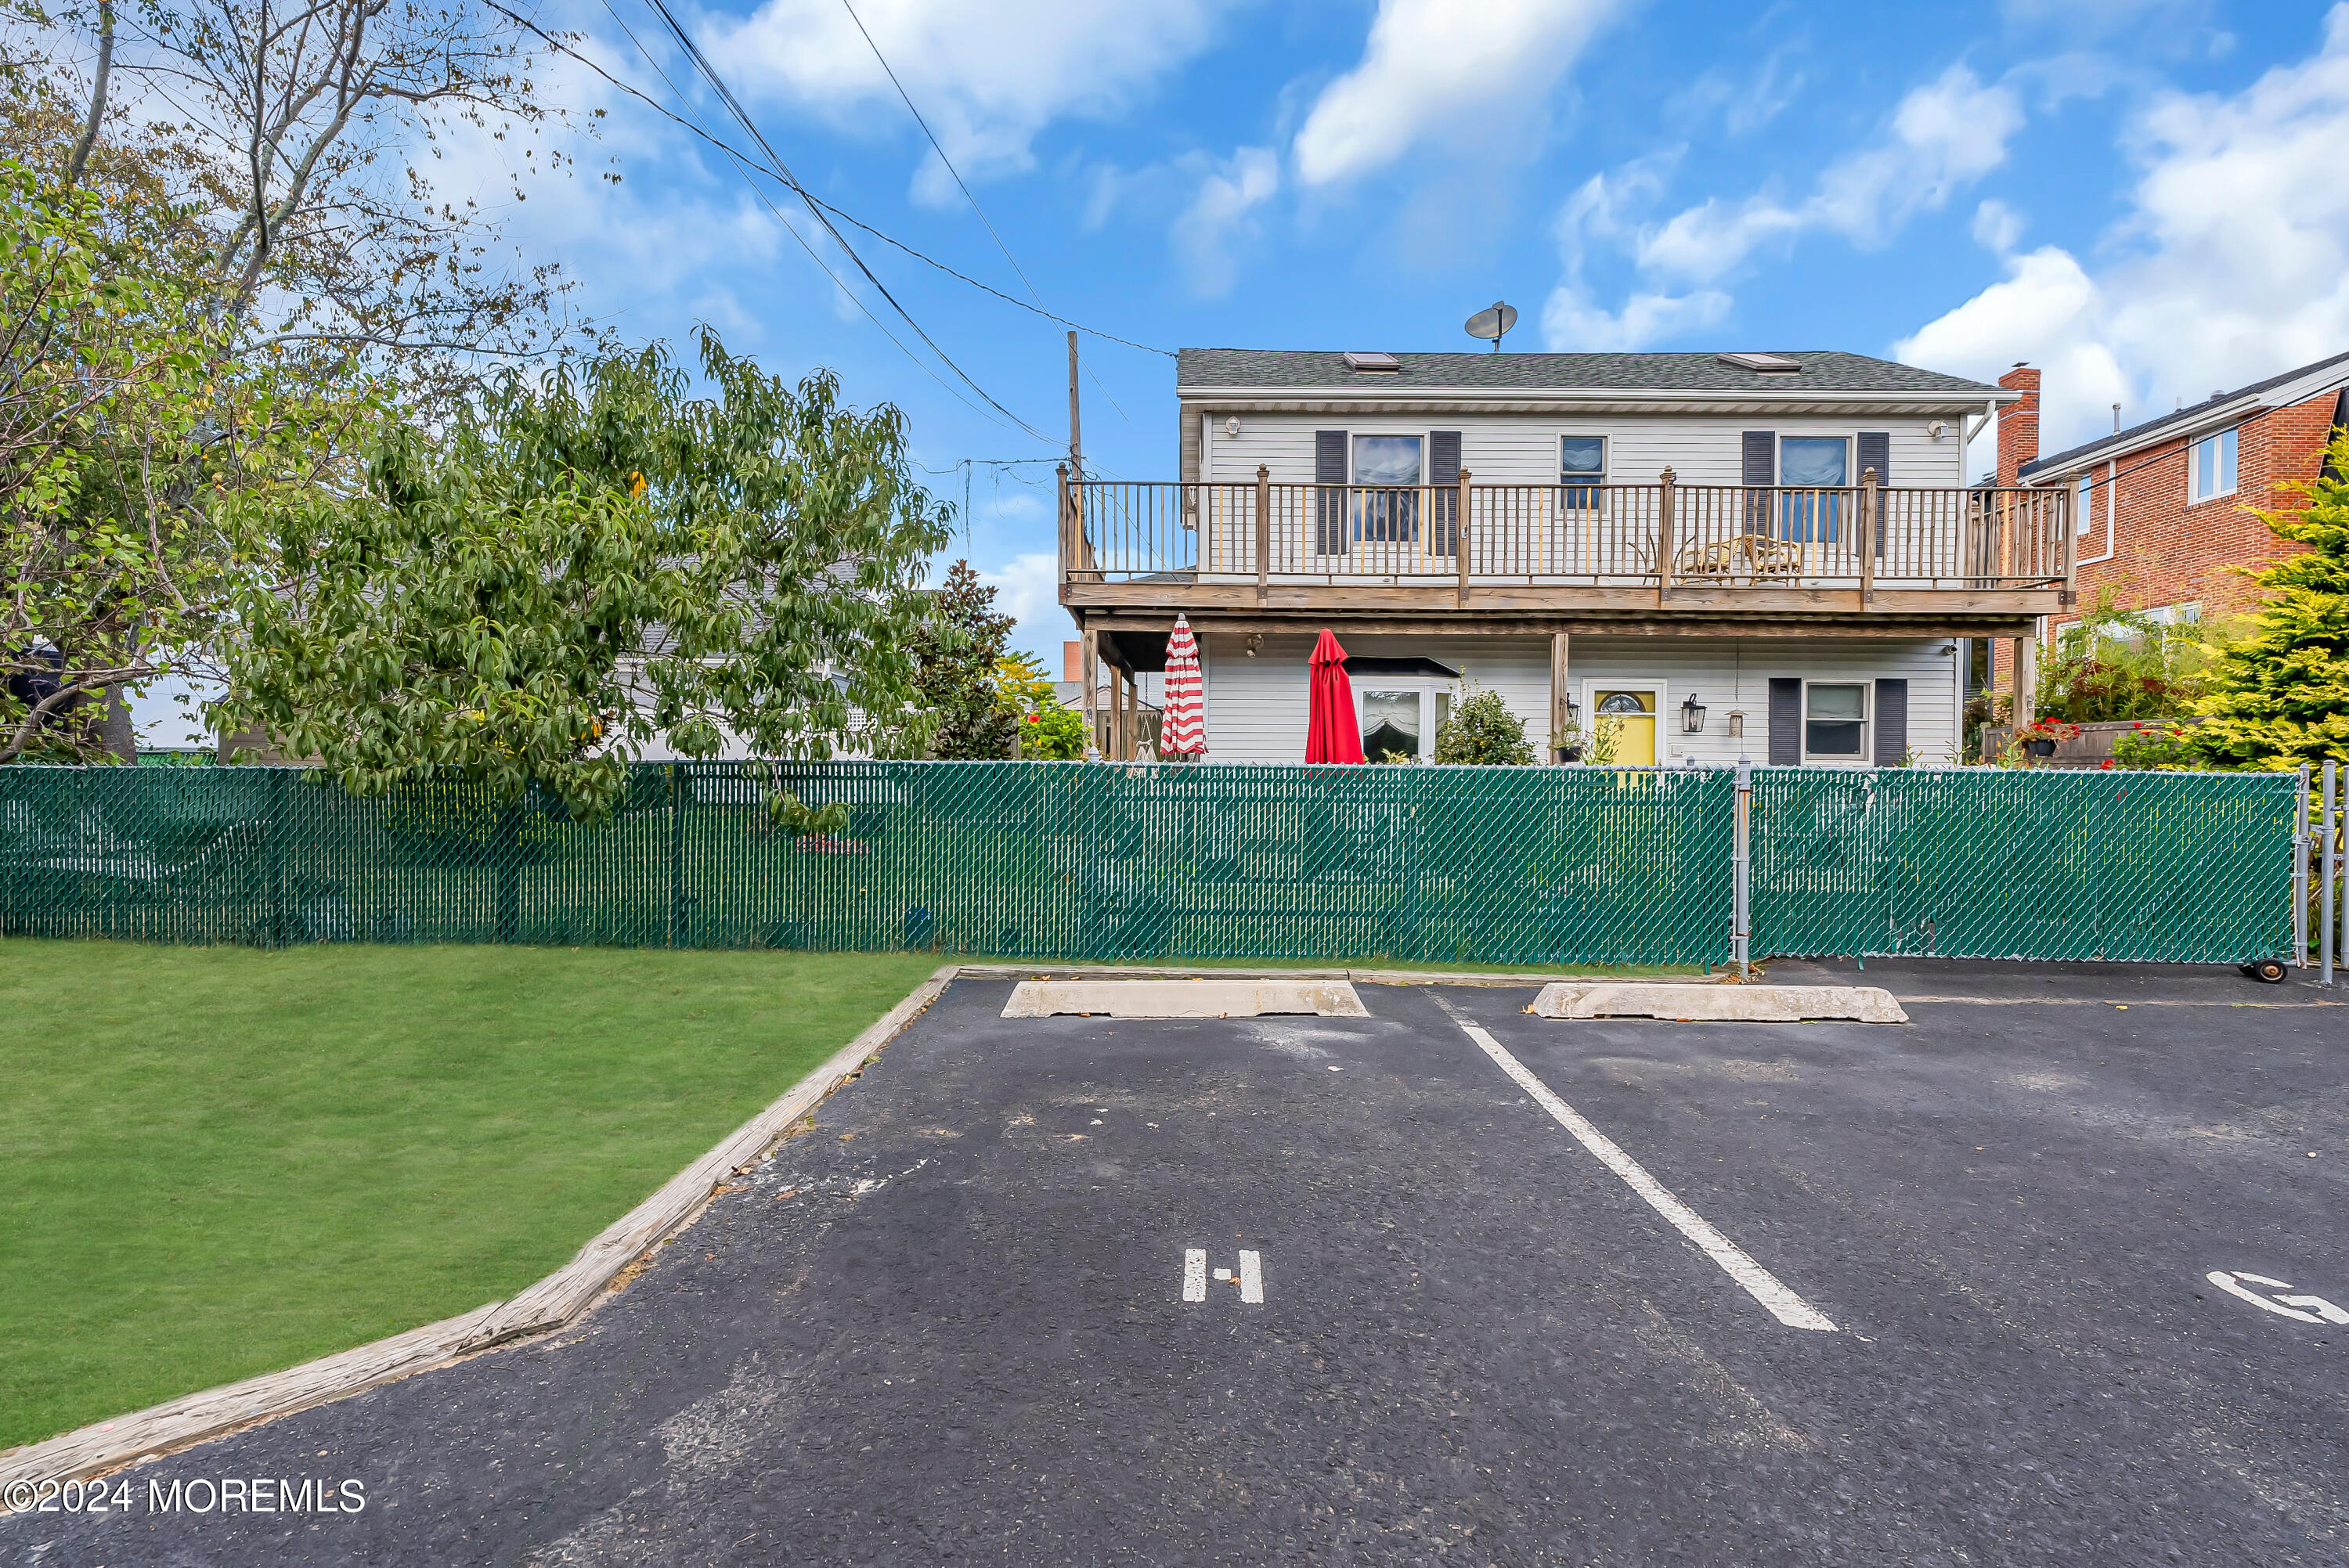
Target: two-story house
[1771,555]
[2164,508]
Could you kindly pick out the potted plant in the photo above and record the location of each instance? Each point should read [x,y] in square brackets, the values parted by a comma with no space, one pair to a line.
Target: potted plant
[2039,737]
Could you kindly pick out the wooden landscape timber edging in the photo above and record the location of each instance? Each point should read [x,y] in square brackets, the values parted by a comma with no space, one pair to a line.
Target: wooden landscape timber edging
[553,1302]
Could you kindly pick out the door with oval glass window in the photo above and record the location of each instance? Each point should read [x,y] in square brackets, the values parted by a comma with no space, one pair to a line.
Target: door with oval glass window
[1632,712]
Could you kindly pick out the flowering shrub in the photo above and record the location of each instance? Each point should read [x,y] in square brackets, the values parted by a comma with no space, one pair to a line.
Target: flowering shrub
[2047,729]
[2164,746]
[1052,734]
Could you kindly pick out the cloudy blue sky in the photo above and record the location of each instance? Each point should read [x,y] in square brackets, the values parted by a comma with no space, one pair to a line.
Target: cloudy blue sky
[2148,199]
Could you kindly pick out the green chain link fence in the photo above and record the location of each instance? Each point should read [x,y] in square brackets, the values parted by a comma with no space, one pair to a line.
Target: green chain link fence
[1534,865]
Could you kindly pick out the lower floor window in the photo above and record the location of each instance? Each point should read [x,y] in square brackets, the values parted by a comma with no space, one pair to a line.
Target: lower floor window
[1403,722]
[1834,720]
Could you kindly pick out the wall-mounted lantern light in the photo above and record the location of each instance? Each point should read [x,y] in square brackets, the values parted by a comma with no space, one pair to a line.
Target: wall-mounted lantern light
[1692,715]
[1232,426]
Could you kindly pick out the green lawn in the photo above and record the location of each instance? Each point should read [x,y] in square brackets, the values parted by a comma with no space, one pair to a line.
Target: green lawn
[215,1161]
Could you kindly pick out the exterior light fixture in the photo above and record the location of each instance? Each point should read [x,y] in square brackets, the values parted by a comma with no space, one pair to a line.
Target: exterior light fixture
[1692,715]
[1736,725]
[1255,643]
[1232,426]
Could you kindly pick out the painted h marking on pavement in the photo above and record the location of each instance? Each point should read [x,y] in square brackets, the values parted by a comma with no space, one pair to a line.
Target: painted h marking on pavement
[1758,1282]
[1250,1278]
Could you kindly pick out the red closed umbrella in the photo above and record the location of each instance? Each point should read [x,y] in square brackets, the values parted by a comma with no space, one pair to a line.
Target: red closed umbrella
[1332,734]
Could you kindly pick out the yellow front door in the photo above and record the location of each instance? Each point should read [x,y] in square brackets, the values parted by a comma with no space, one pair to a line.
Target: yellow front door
[1633,714]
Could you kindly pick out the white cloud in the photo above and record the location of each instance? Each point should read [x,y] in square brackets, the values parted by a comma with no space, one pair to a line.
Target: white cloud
[1944,135]
[1570,321]
[1997,226]
[2233,263]
[1027,589]
[986,78]
[1442,69]
[1227,197]
[1598,213]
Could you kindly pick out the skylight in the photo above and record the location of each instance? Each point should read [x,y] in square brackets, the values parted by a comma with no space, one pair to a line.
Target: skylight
[1766,364]
[1372,364]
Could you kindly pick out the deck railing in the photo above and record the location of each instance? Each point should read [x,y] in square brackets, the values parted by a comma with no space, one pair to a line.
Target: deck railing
[1661,535]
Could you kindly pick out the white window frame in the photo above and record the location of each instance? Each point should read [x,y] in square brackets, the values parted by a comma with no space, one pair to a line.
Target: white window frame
[1606,456]
[1866,723]
[1425,686]
[2195,494]
[1419,436]
[2083,505]
[1850,440]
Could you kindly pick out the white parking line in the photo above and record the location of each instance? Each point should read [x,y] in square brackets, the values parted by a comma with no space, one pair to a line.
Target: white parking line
[1251,1277]
[1194,1275]
[1760,1283]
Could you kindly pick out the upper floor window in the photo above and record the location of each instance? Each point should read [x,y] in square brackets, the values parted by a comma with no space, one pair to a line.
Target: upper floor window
[1581,466]
[1814,464]
[2210,467]
[1393,464]
[2084,510]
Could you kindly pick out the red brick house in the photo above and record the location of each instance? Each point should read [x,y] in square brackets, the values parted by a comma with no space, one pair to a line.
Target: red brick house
[2163,510]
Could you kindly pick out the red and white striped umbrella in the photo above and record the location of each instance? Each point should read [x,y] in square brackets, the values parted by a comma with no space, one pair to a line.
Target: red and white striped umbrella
[1182,721]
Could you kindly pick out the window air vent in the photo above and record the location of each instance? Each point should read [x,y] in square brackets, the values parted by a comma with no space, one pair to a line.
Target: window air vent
[1763,364]
[1372,364]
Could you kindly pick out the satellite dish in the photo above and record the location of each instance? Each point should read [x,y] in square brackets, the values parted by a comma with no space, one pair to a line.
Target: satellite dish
[1494,323]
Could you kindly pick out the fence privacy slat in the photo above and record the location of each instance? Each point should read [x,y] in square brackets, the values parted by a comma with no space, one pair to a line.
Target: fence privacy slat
[1102,861]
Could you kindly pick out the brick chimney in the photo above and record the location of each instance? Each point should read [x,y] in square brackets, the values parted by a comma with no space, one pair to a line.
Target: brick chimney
[1072,661]
[2018,423]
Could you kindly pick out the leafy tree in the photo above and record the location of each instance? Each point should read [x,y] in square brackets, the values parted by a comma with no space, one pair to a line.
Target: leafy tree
[587,561]
[1481,729]
[957,655]
[116,414]
[2279,696]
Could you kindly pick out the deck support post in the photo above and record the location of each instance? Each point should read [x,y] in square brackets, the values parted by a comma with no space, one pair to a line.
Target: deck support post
[1089,640]
[1665,531]
[1870,501]
[1263,534]
[1560,693]
[1460,539]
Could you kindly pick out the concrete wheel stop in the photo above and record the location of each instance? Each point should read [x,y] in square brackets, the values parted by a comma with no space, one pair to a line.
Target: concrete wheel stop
[1720,1004]
[1195,998]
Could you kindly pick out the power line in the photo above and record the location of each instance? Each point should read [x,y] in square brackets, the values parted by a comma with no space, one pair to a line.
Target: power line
[751,128]
[748,160]
[962,185]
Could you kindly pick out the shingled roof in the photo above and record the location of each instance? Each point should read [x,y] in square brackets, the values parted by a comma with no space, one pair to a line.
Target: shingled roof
[1822,370]
[2152,430]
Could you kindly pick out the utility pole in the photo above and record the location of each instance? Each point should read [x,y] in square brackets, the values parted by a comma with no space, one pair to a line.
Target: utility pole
[1076,440]
[966,506]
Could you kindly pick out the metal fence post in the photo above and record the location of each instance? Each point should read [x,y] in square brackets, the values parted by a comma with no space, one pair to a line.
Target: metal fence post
[675,858]
[2300,873]
[1741,913]
[2331,864]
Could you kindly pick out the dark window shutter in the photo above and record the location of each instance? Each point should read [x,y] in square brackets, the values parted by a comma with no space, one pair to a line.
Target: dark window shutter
[1786,722]
[1760,467]
[1876,452]
[1443,469]
[1892,722]
[1329,505]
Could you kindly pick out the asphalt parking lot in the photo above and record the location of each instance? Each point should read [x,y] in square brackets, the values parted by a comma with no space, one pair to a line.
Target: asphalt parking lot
[950,1325]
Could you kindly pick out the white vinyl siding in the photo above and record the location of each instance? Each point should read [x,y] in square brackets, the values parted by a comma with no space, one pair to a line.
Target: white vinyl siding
[1523,449]
[1256,707]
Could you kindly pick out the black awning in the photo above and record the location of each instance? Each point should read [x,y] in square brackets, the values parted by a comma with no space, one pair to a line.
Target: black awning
[1359,665]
